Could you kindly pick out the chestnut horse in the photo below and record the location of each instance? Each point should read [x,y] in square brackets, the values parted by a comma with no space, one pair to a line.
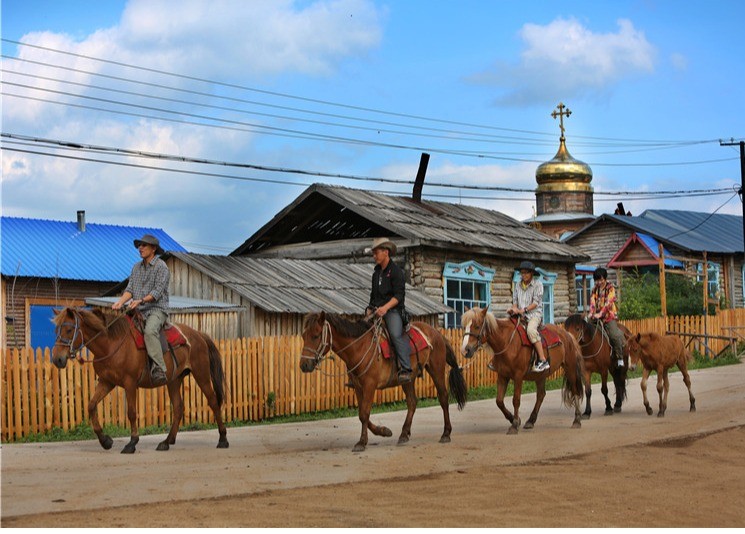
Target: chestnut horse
[596,352]
[511,361]
[356,343]
[118,362]
[659,353]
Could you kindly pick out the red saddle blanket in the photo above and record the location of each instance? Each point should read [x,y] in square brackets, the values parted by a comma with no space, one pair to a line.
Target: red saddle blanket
[549,338]
[170,335]
[417,341]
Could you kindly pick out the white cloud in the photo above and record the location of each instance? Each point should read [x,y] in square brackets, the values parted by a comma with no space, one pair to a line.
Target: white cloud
[565,59]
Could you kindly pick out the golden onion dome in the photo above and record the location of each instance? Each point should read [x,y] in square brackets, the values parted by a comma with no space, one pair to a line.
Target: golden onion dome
[564,172]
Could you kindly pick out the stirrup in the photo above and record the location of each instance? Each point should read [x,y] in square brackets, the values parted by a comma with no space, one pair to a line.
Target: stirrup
[491,367]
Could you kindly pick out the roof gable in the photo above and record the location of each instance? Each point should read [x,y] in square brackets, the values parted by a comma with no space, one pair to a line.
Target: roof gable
[326,213]
[57,249]
[641,250]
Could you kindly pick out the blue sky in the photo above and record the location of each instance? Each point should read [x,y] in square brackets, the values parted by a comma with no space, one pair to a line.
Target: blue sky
[360,88]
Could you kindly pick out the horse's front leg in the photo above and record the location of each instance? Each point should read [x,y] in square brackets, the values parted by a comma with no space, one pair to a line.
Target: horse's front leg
[516,407]
[663,386]
[604,390]
[645,377]
[102,389]
[502,384]
[364,397]
[177,403]
[134,435]
[539,396]
[588,393]
[410,409]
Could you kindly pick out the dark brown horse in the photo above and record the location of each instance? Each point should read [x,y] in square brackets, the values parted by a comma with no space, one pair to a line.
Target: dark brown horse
[118,362]
[659,353]
[357,344]
[596,352]
[511,361]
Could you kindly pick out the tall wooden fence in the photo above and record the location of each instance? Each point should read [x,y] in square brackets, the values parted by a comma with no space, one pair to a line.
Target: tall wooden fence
[263,377]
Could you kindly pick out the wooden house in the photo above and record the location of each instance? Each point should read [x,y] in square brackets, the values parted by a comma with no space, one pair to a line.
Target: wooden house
[456,254]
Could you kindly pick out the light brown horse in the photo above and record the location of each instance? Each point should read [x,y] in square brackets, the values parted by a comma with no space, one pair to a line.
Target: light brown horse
[596,353]
[118,362]
[511,361]
[356,343]
[659,353]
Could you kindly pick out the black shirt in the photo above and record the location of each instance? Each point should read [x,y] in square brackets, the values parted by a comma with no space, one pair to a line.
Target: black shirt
[387,283]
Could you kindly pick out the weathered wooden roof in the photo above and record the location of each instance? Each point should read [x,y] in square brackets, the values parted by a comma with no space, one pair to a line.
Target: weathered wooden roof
[330,213]
[301,286]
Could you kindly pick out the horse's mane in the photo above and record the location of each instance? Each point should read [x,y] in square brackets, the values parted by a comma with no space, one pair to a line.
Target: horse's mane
[470,315]
[114,324]
[577,320]
[345,327]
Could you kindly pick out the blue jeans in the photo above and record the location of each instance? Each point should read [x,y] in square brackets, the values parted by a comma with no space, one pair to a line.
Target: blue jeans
[400,343]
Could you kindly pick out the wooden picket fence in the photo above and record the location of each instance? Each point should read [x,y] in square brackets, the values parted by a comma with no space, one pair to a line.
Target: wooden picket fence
[263,377]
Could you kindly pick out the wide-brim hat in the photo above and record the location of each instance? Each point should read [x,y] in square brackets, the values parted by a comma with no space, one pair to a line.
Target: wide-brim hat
[527,266]
[149,239]
[382,242]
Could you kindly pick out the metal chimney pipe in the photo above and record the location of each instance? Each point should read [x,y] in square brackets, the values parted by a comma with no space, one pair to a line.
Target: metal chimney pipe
[81,220]
[419,182]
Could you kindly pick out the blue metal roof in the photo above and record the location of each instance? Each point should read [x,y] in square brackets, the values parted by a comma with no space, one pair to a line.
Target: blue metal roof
[48,249]
[654,247]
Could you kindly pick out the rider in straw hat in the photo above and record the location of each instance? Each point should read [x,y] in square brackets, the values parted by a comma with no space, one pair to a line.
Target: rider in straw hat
[387,301]
[147,291]
[527,300]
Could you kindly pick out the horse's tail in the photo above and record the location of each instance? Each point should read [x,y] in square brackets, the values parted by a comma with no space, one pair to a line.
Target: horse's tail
[458,387]
[573,387]
[216,371]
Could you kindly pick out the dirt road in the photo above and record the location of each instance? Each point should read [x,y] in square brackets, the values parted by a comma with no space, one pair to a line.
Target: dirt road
[626,470]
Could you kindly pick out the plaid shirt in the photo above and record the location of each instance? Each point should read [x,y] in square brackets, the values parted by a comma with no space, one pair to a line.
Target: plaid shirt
[523,297]
[150,279]
[604,300]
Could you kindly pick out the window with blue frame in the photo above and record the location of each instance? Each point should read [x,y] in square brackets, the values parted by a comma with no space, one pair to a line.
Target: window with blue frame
[712,278]
[583,304]
[466,284]
[549,280]
[41,326]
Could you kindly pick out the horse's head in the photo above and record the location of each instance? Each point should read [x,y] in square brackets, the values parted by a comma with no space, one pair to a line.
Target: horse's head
[68,327]
[576,325]
[476,326]
[634,347]
[316,341]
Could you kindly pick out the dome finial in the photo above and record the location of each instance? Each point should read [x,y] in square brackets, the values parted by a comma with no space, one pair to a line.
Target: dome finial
[561,114]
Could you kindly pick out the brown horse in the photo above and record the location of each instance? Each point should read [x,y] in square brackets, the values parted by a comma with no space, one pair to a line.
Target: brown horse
[356,343]
[596,352]
[659,353]
[118,362]
[511,361]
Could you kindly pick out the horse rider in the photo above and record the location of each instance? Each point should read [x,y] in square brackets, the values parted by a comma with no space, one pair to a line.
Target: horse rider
[387,301]
[603,308]
[527,300]
[147,291]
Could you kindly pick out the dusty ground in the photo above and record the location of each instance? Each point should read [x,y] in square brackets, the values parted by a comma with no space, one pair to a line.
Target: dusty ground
[628,470]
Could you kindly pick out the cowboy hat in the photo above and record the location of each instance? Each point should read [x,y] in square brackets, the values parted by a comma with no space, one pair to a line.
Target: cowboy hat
[527,266]
[149,239]
[382,242]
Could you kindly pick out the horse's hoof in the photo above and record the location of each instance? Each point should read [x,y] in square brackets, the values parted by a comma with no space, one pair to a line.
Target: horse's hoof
[528,425]
[576,424]
[445,439]
[693,409]
[107,442]
[163,446]
[512,430]
[608,412]
[403,439]
[661,414]
[649,411]
[587,415]
[223,444]
[359,447]
[617,409]
[386,432]
[128,449]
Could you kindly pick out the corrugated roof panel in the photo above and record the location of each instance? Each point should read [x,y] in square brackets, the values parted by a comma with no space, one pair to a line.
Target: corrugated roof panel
[57,249]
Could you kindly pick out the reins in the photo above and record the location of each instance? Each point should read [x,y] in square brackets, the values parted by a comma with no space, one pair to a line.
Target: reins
[83,343]
[327,340]
[598,327]
[480,343]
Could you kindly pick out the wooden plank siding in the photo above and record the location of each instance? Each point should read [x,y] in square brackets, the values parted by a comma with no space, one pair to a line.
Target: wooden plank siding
[36,396]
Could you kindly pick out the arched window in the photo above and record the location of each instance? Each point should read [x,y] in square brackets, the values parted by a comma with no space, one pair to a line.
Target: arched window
[465,284]
[548,279]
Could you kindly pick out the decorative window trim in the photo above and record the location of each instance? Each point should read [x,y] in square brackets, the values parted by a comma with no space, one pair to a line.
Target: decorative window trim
[712,265]
[468,271]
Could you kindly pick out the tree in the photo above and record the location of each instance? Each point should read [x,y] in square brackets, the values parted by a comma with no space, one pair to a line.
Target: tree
[641,296]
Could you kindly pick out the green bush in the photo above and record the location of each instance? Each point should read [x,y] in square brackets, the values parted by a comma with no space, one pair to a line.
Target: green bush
[641,296]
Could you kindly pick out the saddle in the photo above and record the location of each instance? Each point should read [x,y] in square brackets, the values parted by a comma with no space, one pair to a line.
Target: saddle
[171,335]
[417,341]
[549,338]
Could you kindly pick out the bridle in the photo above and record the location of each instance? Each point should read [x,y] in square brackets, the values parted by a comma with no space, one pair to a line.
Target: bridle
[481,337]
[320,353]
[77,330]
[598,327]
